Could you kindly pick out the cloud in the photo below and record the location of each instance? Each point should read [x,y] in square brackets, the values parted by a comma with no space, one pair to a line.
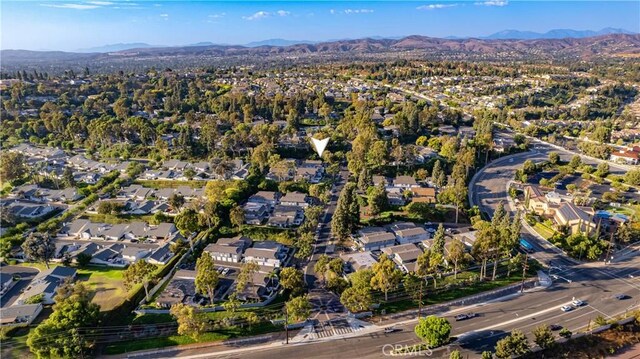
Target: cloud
[358,11]
[217,16]
[165,16]
[73,6]
[332,11]
[493,3]
[264,14]
[435,6]
[89,5]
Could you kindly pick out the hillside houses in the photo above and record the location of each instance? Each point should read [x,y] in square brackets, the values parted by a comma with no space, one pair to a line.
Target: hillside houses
[84,229]
[311,171]
[629,156]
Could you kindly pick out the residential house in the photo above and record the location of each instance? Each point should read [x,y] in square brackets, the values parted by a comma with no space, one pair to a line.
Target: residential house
[268,198]
[630,156]
[6,283]
[286,216]
[577,219]
[255,213]
[374,238]
[295,199]
[409,234]
[424,195]
[19,314]
[47,283]
[266,253]
[405,182]
[358,260]
[404,255]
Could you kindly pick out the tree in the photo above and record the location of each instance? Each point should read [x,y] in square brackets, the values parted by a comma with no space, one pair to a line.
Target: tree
[575,162]
[632,177]
[176,201]
[515,344]
[207,277]
[187,221]
[292,279]
[298,308]
[67,178]
[602,170]
[438,240]
[347,213]
[39,247]
[455,355]
[428,264]
[245,276]
[543,337]
[356,299]
[378,200]
[385,276]
[434,331]
[486,355]
[140,272]
[5,249]
[236,216]
[457,255]
[191,322]
[554,158]
[83,259]
[67,331]
[438,177]
[12,166]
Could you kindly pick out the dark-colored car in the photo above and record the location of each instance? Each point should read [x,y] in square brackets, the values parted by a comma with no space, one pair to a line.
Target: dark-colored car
[555,327]
[621,296]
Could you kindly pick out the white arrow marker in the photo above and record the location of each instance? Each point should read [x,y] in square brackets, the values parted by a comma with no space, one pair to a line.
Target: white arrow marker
[320,145]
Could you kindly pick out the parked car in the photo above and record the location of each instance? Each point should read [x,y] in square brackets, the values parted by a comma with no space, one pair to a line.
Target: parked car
[566,308]
[225,271]
[621,296]
[388,330]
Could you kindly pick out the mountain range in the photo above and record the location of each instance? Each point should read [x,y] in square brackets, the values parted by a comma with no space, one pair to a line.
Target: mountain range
[502,35]
[612,45]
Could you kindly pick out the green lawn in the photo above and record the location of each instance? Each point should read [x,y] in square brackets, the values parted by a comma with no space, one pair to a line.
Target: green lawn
[218,335]
[106,282]
[117,219]
[171,184]
[543,230]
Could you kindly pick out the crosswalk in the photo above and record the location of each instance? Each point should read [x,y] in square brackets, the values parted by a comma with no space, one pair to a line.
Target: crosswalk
[334,328]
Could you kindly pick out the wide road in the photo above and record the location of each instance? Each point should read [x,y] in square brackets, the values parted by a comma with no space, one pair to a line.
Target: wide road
[596,285]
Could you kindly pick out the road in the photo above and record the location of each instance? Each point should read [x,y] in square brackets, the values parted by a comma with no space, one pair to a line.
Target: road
[323,237]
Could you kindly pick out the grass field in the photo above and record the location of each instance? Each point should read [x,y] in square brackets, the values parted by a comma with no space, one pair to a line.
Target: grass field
[171,184]
[543,230]
[113,219]
[104,281]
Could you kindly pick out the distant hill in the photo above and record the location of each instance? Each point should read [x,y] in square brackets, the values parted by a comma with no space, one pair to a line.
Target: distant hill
[118,47]
[278,42]
[554,34]
[420,46]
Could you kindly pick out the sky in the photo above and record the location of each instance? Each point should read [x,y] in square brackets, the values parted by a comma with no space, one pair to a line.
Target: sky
[70,25]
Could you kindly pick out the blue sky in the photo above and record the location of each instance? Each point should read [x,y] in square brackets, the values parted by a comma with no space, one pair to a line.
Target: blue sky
[70,25]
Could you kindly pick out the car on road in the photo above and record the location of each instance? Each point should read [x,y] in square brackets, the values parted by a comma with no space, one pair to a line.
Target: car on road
[465,316]
[566,308]
[555,327]
[388,330]
[577,303]
[621,296]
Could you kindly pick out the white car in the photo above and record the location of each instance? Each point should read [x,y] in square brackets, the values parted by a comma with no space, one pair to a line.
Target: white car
[566,308]
[577,303]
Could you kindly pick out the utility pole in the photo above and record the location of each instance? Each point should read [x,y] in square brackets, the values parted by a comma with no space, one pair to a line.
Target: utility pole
[524,270]
[609,250]
[420,302]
